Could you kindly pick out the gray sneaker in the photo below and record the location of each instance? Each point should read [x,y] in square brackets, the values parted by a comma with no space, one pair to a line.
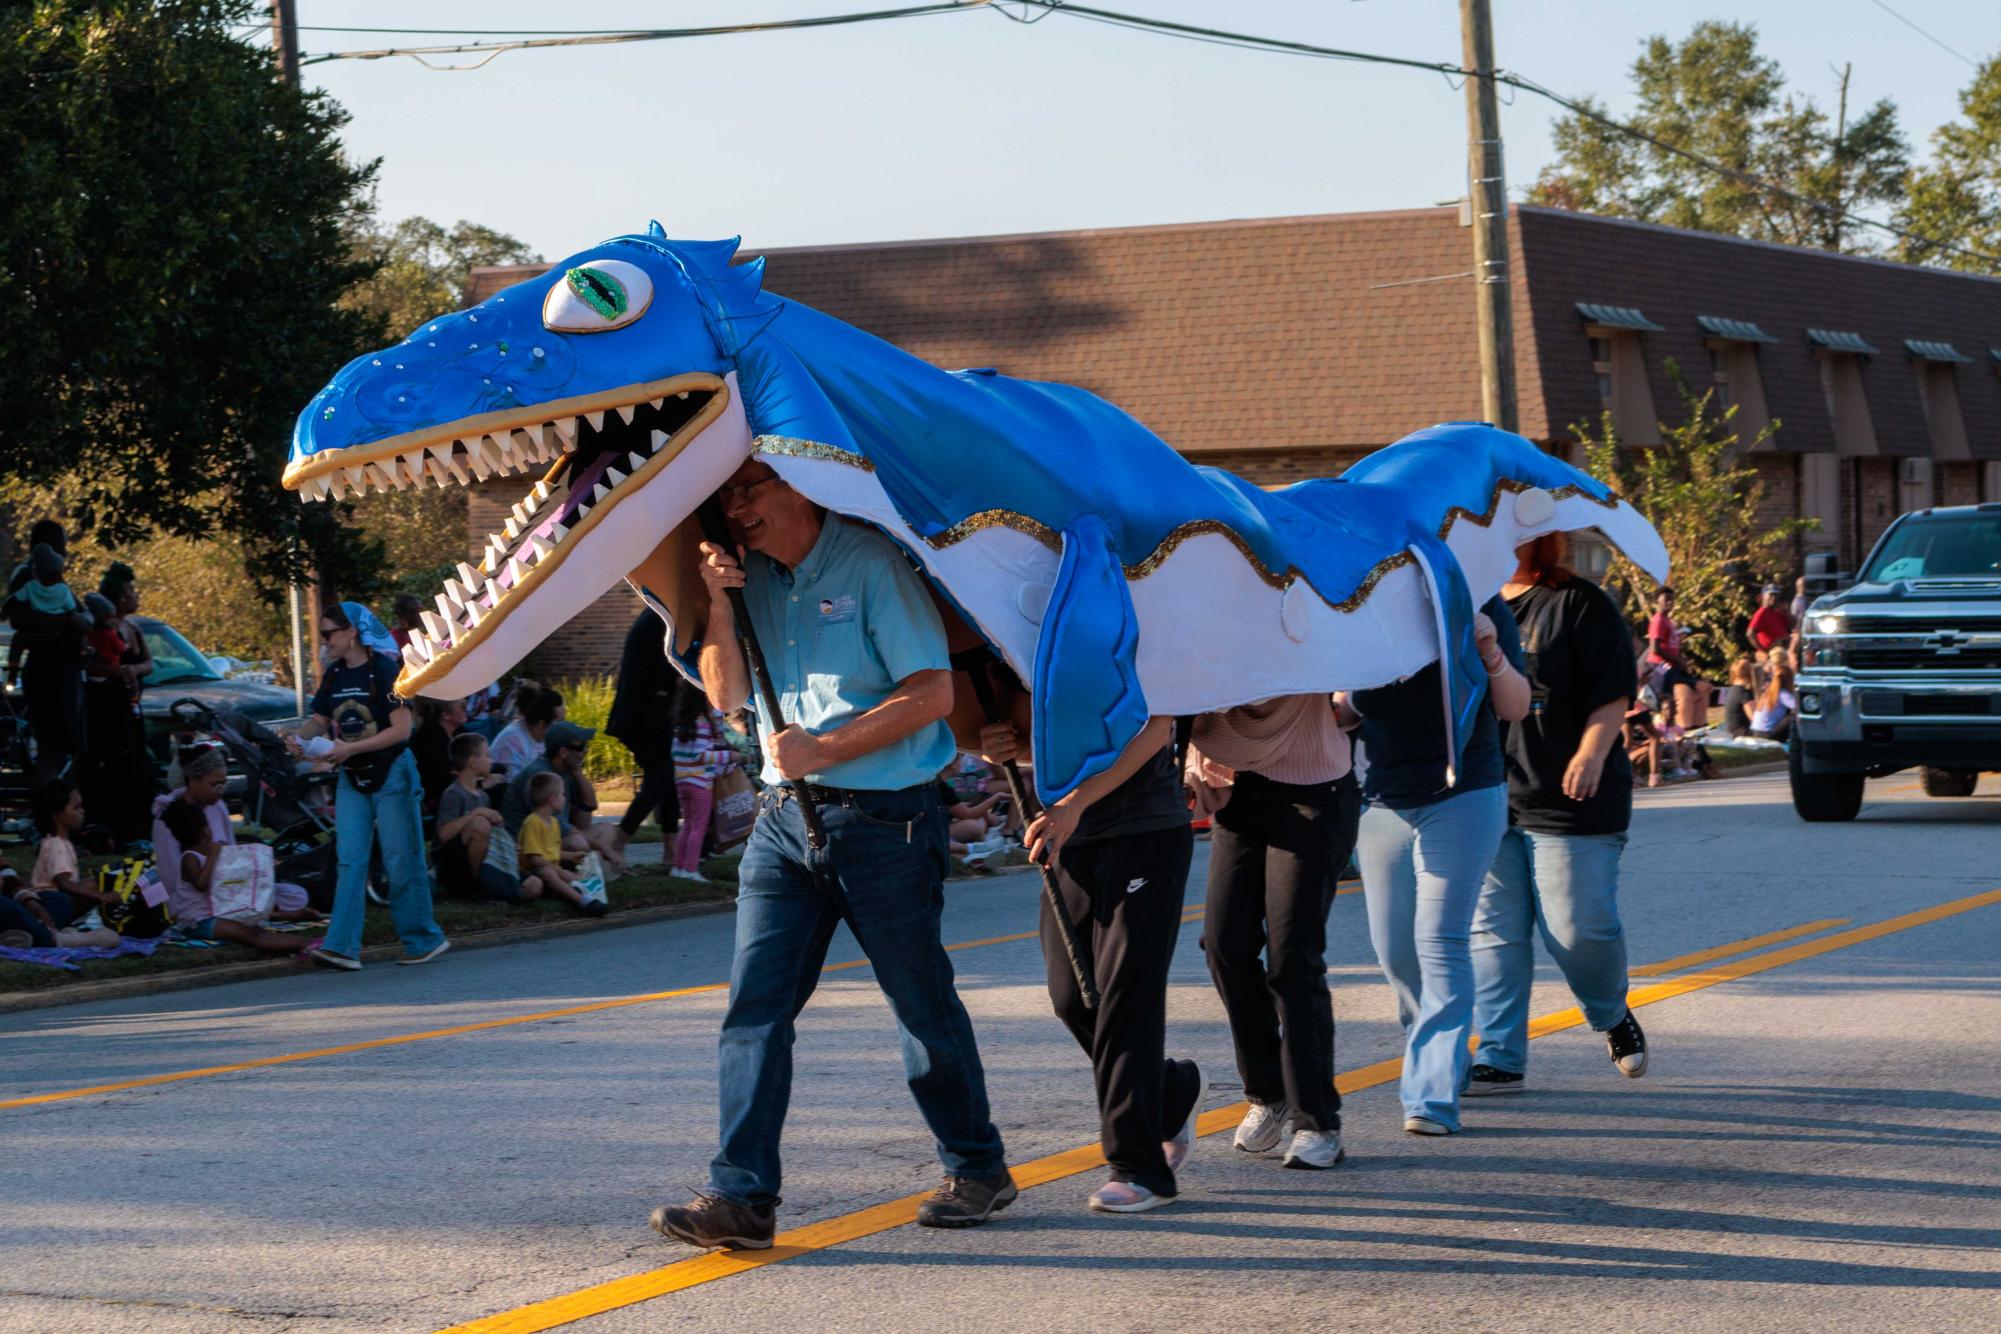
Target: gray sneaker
[1262,1127]
[1314,1149]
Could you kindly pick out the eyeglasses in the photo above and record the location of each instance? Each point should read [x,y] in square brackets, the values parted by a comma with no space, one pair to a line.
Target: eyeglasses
[329,630]
[741,493]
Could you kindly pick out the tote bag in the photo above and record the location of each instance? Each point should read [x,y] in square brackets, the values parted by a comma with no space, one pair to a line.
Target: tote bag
[735,809]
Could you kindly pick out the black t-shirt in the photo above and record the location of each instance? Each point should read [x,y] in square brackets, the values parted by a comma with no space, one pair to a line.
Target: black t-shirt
[1580,658]
[1403,728]
[1147,802]
[358,701]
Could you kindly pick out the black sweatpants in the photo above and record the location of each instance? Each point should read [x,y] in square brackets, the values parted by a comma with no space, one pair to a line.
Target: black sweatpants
[1273,859]
[656,788]
[1123,895]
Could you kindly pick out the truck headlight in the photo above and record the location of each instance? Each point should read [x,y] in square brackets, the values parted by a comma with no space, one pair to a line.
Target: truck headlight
[1827,625]
[1810,701]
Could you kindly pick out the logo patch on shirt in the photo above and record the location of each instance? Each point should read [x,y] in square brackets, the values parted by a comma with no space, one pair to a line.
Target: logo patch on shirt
[835,610]
[1136,886]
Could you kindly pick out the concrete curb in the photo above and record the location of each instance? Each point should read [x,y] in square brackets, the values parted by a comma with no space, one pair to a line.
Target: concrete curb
[153,984]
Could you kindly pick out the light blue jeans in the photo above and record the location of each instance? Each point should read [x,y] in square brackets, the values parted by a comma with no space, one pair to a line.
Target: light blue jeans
[1421,873]
[391,814]
[1568,885]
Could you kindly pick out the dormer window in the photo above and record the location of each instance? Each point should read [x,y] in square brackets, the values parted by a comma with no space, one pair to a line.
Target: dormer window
[1842,357]
[1618,361]
[1738,380]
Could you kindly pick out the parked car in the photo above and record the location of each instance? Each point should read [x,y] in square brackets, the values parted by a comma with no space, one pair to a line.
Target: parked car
[180,671]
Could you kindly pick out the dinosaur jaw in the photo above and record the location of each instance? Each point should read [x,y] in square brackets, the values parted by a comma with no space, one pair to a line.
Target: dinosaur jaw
[629,475]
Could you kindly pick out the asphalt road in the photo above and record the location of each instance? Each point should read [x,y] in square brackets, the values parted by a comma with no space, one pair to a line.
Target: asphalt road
[1817,1143]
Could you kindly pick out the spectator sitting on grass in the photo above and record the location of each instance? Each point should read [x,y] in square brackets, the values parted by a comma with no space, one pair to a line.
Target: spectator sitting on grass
[520,743]
[564,745]
[438,721]
[969,824]
[466,821]
[1737,697]
[1772,720]
[204,776]
[194,873]
[54,897]
[542,842]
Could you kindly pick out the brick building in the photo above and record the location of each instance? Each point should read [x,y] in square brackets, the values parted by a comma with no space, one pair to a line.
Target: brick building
[1286,348]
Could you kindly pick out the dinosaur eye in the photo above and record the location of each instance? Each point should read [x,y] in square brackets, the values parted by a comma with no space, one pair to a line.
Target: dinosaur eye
[597,297]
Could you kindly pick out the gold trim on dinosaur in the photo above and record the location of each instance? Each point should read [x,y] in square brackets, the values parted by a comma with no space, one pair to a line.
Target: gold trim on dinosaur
[325,462]
[1140,569]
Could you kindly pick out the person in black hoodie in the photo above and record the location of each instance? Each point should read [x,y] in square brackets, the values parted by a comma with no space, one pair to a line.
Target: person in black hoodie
[642,717]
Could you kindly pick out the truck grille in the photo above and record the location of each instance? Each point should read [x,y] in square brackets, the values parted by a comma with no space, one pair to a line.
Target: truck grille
[1917,625]
[1889,704]
[1984,658]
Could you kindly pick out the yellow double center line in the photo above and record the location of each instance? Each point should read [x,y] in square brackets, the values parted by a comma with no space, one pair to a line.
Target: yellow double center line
[706,1268]
[483,1026]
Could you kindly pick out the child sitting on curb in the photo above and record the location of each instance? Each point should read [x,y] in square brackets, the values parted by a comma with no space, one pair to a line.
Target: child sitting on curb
[467,821]
[198,847]
[204,775]
[542,844]
[56,896]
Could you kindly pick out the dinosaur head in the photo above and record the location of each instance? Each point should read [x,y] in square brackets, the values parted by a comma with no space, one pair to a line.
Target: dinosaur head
[611,379]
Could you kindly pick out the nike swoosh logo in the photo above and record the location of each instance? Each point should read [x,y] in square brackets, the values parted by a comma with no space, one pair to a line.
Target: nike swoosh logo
[1136,885]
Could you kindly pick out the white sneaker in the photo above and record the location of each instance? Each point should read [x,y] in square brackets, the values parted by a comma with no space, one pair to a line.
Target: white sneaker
[1123,1197]
[1262,1126]
[1314,1149]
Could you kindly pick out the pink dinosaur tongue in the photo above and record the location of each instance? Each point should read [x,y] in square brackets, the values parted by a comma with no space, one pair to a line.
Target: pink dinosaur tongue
[564,514]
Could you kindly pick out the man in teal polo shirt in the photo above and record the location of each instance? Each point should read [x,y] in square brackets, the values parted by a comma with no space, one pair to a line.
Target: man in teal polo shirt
[857,656]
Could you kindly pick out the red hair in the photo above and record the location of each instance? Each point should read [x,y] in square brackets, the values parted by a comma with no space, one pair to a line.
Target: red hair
[1542,560]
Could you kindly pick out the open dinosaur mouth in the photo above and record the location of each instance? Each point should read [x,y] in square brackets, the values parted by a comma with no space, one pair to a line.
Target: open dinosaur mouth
[598,457]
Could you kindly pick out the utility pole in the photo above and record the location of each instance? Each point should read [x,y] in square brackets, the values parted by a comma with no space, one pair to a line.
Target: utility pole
[1488,193]
[285,46]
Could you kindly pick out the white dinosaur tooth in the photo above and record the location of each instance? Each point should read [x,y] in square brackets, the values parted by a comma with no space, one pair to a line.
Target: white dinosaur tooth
[385,481]
[517,570]
[596,419]
[512,528]
[682,394]
[566,431]
[357,477]
[436,625]
[626,411]
[540,547]
[521,511]
[491,561]
[541,491]
[471,578]
[534,430]
[634,462]
[457,593]
[475,612]
[656,402]
[415,663]
[615,475]
[659,438]
[558,533]
[599,492]
[422,643]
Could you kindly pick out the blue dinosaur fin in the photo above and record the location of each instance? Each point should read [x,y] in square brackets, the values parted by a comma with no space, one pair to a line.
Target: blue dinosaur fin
[1462,678]
[656,231]
[1088,701]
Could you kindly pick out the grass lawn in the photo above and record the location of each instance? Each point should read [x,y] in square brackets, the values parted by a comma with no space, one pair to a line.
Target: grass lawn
[642,887]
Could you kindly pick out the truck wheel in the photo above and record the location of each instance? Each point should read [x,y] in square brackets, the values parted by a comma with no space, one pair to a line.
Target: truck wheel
[1819,798]
[1948,782]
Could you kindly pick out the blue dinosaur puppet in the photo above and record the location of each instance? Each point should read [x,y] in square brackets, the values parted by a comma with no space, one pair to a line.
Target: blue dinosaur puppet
[1116,577]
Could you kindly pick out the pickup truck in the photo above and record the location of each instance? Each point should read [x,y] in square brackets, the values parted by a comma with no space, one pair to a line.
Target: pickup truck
[1903,668]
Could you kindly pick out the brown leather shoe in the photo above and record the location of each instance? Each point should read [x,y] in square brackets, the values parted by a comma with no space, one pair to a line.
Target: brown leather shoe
[710,1221]
[967,1201]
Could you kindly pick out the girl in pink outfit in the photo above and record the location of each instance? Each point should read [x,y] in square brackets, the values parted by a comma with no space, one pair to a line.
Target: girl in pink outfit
[700,754]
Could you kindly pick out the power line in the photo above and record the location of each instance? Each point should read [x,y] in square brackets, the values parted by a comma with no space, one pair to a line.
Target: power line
[1280,46]
[488,51]
[1937,42]
[1186,32]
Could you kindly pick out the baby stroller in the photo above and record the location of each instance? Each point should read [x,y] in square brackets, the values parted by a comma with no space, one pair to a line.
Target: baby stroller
[296,807]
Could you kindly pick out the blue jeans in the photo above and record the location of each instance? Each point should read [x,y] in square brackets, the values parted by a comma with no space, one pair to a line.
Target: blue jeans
[1421,873]
[391,814]
[1567,884]
[886,858]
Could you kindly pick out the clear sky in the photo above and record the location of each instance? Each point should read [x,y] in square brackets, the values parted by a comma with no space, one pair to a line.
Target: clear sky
[970,124]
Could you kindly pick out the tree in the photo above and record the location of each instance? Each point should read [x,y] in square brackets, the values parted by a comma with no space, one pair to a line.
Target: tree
[1715,95]
[1703,500]
[419,271]
[174,237]
[1955,199]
